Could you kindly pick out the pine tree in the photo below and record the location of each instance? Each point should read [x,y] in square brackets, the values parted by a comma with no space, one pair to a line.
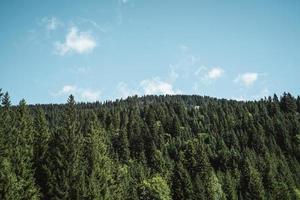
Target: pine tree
[6,100]
[175,127]
[22,155]
[40,148]
[251,182]
[155,188]
[121,145]
[288,103]
[6,124]
[181,183]
[215,190]
[98,173]
[10,187]
[64,175]
[229,187]
[298,104]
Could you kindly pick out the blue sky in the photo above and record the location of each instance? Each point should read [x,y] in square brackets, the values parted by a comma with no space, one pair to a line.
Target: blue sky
[108,49]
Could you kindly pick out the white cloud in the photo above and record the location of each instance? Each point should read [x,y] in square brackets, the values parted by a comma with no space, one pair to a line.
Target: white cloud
[67,89]
[239,98]
[76,41]
[215,73]
[264,92]
[152,86]
[206,76]
[84,94]
[124,91]
[156,86]
[247,79]
[90,95]
[51,24]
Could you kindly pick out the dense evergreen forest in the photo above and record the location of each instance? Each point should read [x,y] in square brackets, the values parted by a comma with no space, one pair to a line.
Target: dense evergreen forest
[152,148]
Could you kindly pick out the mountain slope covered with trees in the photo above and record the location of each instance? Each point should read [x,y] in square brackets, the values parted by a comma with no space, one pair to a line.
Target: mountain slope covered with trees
[153,147]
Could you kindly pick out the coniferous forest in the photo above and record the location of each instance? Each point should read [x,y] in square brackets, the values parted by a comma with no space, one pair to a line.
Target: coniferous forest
[151,148]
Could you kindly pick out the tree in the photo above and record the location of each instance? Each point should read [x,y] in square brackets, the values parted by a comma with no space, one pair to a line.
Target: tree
[6,100]
[288,103]
[98,165]
[251,182]
[298,104]
[216,191]
[19,161]
[181,183]
[6,123]
[155,188]
[10,187]
[40,148]
[297,193]
[64,175]
[229,187]
[121,145]
[175,127]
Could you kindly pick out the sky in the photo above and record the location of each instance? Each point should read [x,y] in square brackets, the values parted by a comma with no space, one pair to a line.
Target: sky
[109,49]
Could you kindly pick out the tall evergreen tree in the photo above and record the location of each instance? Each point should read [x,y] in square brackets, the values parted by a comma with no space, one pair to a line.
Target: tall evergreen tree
[288,103]
[155,188]
[181,183]
[40,149]
[10,188]
[121,144]
[251,182]
[18,164]
[64,175]
[98,169]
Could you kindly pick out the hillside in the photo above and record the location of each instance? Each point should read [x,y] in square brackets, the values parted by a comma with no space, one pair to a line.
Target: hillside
[152,147]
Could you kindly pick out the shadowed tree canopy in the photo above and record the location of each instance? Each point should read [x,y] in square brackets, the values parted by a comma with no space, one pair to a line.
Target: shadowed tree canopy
[152,147]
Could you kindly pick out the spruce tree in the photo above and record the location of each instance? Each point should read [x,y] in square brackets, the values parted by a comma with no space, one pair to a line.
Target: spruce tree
[181,183]
[40,149]
[155,188]
[98,173]
[10,187]
[288,103]
[22,155]
[63,160]
[251,182]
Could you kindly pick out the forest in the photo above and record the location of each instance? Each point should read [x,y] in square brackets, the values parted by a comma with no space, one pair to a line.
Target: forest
[180,147]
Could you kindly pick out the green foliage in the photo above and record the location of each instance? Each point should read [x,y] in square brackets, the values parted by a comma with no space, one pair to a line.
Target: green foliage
[216,190]
[288,103]
[17,181]
[40,149]
[153,147]
[155,188]
[297,193]
[251,182]
[98,165]
[10,187]
[229,187]
[181,183]
[64,163]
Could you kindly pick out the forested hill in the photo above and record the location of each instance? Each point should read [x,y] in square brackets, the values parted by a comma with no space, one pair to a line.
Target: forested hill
[153,147]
